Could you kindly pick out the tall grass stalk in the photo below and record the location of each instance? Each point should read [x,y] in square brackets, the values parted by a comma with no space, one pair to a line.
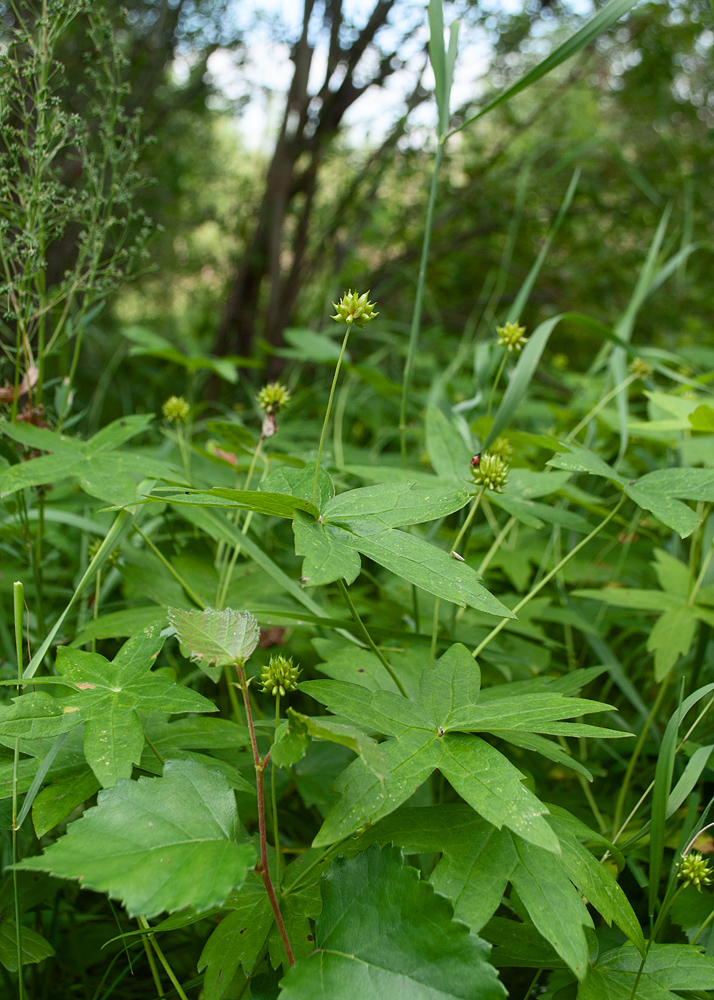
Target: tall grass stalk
[19,611]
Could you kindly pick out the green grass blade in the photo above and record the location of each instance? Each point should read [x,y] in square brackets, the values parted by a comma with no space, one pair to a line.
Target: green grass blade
[437,57]
[39,778]
[660,798]
[612,12]
[514,313]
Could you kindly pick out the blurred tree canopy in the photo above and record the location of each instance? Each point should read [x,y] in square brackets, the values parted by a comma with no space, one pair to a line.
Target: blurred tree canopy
[254,238]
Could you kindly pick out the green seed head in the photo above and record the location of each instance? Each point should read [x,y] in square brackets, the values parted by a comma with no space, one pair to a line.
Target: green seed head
[642,369]
[279,676]
[503,448]
[491,472]
[176,410]
[273,397]
[354,309]
[511,336]
[695,870]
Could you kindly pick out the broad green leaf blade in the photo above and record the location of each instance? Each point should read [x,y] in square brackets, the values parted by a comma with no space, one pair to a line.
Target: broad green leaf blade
[453,683]
[596,883]
[58,800]
[668,967]
[382,711]
[553,904]
[477,859]
[37,715]
[324,728]
[35,948]
[118,432]
[272,504]
[41,438]
[157,843]
[577,459]
[492,786]
[382,933]
[671,637]
[540,745]
[428,567]
[447,452]
[300,482]
[623,597]
[364,798]
[667,509]
[526,711]
[326,558]
[237,940]
[113,743]
[605,17]
[216,638]
[395,505]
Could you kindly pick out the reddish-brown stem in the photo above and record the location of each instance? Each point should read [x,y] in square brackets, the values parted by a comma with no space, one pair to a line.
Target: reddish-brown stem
[259,768]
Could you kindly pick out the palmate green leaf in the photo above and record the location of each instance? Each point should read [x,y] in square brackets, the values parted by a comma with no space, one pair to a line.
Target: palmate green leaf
[323,728]
[326,558]
[668,967]
[37,715]
[156,844]
[382,933]
[261,501]
[394,505]
[624,597]
[671,637]
[108,695]
[477,861]
[432,736]
[426,566]
[216,639]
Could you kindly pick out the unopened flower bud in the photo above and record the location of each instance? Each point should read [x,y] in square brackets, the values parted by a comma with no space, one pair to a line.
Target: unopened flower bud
[695,870]
[641,369]
[279,676]
[273,397]
[490,472]
[354,309]
[511,336]
[176,410]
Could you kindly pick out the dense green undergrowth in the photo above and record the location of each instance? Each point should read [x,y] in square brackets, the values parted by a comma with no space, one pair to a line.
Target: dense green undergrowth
[377,689]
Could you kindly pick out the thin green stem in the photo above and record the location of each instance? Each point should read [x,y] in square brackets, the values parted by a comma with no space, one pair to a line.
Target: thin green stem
[327,411]
[143,922]
[496,381]
[368,638]
[467,523]
[624,788]
[19,609]
[177,576]
[153,749]
[548,577]
[497,543]
[601,404]
[152,965]
[232,695]
[418,300]
[434,633]
[274,802]
[263,870]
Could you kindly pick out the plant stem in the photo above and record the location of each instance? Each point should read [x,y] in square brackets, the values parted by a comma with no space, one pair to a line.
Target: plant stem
[624,788]
[600,405]
[496,381]
[549,576]
[434,633]
[19,608]
[177,576]
[327,411]
[467,523]
[276,830]
[259,766]
[418,299]
[368,638]
[143,922]
[152,965]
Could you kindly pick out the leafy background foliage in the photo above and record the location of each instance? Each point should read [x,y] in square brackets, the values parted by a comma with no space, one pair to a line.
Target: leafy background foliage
[498,749]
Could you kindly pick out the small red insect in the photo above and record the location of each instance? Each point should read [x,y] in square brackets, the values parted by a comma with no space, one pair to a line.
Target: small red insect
[476,461]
